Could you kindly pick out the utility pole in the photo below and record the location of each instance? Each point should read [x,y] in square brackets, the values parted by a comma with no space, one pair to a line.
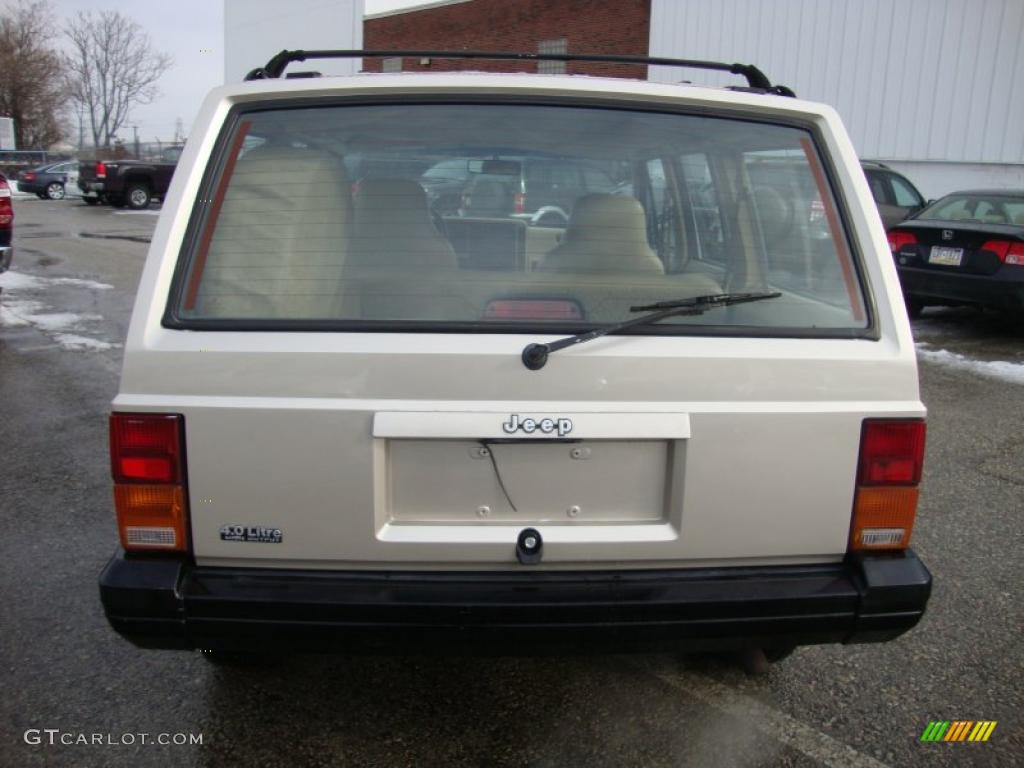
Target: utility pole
[135,128]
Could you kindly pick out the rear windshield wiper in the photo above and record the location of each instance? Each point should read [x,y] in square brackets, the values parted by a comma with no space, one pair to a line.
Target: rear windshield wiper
[536,355]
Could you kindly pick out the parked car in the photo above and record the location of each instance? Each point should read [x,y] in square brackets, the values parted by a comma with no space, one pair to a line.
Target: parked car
[643,428]
[445,182]
[132,183]
[6,224]
[538,189]
[896,197]
[965,248]
[50,181]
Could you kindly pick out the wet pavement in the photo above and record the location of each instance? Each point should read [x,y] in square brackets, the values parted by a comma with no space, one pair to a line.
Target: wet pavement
[65,314]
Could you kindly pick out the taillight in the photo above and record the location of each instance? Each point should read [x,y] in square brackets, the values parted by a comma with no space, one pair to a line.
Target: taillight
[533,309]
[1008,251]
[101,170]
[6,211]
[899,238]
[29,176]
[519,202]
[147,465]
[888,475]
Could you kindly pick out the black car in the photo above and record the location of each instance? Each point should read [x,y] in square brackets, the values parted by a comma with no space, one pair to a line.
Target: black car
[896,197]
[966,248]
[49,181]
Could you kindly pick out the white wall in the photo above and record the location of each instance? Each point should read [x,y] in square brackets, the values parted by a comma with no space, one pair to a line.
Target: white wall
[937,179]
[254,30]
[914,80]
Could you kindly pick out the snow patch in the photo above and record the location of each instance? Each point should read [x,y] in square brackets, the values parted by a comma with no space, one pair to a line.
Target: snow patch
[19,281]
[18,311]
[996,369]
[60,321]
[79,282]
[15,312]
[137,213]
[71,341]
[16,281]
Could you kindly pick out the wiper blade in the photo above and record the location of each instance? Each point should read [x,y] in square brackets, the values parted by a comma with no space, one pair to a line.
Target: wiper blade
[535,356]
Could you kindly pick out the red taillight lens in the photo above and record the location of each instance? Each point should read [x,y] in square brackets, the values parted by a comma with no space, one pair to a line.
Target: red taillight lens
[147,463]
[885,503]
[898,239]
[1008,251]
[891,452]
[29,176]
[145,448]
[101,171]
[533,309]
[519,202]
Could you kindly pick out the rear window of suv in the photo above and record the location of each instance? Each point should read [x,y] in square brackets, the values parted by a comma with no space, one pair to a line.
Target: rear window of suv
[293,232]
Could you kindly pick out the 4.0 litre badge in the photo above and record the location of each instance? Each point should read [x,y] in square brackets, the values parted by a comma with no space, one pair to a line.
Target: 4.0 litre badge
[254,533]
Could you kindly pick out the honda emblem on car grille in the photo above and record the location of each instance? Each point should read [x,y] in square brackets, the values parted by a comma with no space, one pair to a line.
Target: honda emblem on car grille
[947,234]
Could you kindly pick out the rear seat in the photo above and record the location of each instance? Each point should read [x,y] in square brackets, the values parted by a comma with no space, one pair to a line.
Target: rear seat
[393,228]
[273,253]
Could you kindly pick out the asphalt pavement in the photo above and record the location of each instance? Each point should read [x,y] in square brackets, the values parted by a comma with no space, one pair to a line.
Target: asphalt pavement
[66,678]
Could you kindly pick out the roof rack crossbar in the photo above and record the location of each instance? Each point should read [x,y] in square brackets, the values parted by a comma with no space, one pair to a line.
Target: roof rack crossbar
[276,66]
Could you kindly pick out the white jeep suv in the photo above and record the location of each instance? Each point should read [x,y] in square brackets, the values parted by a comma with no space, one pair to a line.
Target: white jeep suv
[688,418]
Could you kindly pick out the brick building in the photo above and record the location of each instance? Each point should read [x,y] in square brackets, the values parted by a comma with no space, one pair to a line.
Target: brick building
[545,26]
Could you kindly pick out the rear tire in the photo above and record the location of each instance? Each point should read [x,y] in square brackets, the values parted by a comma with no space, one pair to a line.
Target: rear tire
[55,191]
[757,661]
[775,655]
[915,306]
[138,196]
[115,200]
[91,200]
[240,659]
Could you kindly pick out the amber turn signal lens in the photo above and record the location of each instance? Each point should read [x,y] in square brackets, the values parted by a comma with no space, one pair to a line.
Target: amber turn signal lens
[883,518]
[151,516]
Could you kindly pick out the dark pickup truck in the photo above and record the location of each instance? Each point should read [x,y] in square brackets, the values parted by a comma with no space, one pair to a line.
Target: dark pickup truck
[132,183]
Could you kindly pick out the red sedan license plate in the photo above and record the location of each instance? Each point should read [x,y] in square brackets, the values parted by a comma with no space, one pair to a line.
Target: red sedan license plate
[949,257]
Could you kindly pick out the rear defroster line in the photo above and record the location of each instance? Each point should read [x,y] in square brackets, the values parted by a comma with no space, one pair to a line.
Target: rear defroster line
[488,446]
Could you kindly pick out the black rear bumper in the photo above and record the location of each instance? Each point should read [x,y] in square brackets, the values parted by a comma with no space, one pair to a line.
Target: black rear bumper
[1002,290]
[165,603]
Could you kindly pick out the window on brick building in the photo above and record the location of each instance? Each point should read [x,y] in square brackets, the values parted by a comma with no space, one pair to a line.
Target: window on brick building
[558,45]
[391,64]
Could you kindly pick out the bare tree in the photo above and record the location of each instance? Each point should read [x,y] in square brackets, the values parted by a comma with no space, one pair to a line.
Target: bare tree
[31,85]
[112,68]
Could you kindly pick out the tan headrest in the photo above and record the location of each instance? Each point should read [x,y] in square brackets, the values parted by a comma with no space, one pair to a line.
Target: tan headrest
[605,232]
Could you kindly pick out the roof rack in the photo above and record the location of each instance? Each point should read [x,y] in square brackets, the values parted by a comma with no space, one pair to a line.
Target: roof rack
[756,79]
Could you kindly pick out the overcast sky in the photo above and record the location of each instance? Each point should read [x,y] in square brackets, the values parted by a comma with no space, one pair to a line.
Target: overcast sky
[182,28]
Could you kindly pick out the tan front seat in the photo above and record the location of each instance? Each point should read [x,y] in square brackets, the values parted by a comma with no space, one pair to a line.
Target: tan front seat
[606,233]
[393,227]
[279,243]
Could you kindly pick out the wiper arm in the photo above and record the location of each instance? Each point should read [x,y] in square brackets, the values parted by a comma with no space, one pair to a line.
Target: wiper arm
[535,356]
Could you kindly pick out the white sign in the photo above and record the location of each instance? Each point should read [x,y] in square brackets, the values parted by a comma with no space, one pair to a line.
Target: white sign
[7,133]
